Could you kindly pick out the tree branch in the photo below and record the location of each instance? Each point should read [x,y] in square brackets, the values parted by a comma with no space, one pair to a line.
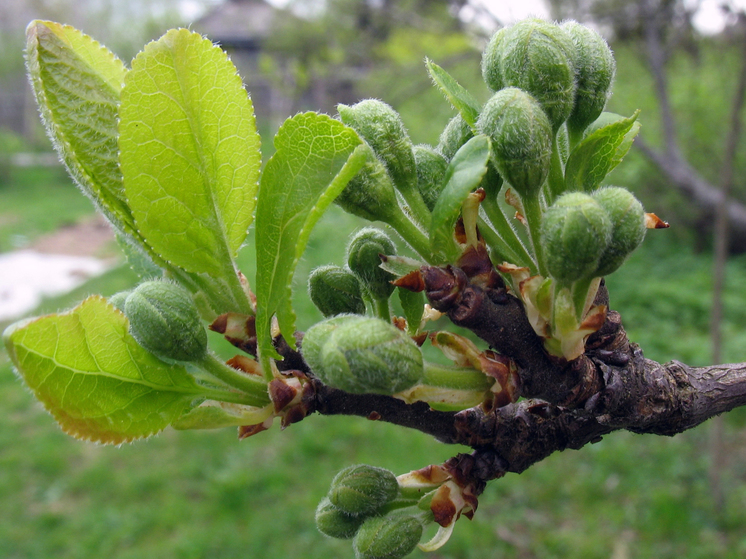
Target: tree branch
[629,392]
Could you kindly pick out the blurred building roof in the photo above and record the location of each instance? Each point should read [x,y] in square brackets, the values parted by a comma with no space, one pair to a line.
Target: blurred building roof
[239,24]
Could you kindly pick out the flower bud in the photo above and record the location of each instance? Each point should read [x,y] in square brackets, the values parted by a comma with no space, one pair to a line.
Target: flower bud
[594,72]
[370,194]
[361,489]
[456,133]
[334,523]
[362,354]
[117,300]
[381,126]
[627,226]
[491,61]
[431,170]
[521,139]
[335,290]
[164,320]
[575,231]
[536,56]
[387,537]
[364,260]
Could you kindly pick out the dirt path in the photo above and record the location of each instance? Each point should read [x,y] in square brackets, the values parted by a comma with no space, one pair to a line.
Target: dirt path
[90,237]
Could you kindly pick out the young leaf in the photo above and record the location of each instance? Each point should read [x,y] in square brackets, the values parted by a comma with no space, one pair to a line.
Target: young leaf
[316,157]
[463,101]
[94,378]
[77,84]
[189,152]
[599,152]
[464,173]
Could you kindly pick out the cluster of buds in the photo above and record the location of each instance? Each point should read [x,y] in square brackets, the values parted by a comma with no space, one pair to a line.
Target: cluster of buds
[385,516]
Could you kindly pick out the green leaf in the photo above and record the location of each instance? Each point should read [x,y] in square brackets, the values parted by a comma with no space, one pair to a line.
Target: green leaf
[189,152]
[77,83]
[94,378]
[464,173]
[413,305]
[463,101]
[215,415]
[315,159]
[600,151]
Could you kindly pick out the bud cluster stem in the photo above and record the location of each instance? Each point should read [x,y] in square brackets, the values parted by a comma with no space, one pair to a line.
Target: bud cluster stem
[556,178]
[503,238]
[255,389]
[533,214]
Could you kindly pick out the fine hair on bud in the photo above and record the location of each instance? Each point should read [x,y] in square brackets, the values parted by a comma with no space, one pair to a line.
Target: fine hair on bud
[387,537]
[335,290]
[362,355]
[381,126]
[165,321]
[335,523]
[594,73]
[536,56]
[521,139]
[370,194]
[431,171]
[117,300]
[361,489]
[363,258]
[575,231]
[456,133]
[627,226]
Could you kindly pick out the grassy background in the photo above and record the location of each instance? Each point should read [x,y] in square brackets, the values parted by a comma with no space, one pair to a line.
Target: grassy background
[204,494]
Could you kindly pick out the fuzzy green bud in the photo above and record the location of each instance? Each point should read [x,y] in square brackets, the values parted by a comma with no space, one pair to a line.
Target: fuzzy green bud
[387,537]
[335,290]
[491,61]
[164,320]
[575,231]
[521,139]
[363,258]
[370,194]
[594,73]
[456,133]
[627,226]
[431,170]
[335,523]
[362,354]
[117,300]
[381,126]
[536,56]
[361,489]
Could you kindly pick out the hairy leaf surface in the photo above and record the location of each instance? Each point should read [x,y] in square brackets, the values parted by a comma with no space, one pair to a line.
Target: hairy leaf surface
[77,84]
[189,152]
[464,173]
[463,101]
[315,159]
[600,151]
[94,378]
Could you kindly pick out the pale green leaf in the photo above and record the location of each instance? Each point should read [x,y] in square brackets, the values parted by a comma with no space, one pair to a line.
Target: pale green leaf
[461,99]
[77,83]
[315,159]
[215,415]
[600,151]
[189,152]
[463,175]
[94,378]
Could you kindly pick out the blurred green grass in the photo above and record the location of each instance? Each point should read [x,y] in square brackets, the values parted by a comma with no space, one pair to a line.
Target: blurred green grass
[205,494]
